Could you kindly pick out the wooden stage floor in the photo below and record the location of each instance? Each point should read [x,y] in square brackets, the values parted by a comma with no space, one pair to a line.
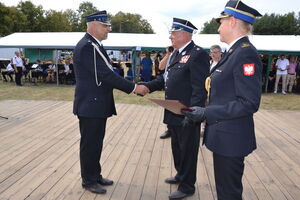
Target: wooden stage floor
[39,145]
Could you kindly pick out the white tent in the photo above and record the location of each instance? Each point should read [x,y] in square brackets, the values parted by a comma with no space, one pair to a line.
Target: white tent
[268,44]
[68,40]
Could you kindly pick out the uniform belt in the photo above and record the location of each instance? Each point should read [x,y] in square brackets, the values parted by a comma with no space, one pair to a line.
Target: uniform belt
[292,74]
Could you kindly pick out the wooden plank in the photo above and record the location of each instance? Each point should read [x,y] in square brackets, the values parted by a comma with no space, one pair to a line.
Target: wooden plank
[137,183]
[39,160]
[204,184]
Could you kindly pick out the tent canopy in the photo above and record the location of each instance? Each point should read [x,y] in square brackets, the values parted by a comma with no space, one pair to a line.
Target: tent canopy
[68,40]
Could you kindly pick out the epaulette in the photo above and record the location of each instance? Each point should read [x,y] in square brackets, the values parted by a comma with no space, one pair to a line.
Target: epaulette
[245,45]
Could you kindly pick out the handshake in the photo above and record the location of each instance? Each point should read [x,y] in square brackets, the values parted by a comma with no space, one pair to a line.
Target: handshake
[141,89]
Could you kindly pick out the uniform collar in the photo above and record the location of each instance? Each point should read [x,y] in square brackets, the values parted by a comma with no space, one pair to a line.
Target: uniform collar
[234,41]
[183,47]
[98,41]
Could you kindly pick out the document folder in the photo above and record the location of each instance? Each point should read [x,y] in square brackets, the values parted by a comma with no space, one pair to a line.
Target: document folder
[174,106]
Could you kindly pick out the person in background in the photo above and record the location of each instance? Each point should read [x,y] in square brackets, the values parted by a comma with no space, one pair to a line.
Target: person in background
[9,71]
[18,66]
[146,70]
[234,88]
[291,76]
[51,72]
[157,60]
[36,71]
[281,66]
[215,55]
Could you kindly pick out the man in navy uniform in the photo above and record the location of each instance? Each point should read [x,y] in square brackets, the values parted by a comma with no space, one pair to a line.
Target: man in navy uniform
[235,92]
[183,80]
[94,101]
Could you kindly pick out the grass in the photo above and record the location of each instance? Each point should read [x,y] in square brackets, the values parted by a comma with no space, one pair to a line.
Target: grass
[8,91]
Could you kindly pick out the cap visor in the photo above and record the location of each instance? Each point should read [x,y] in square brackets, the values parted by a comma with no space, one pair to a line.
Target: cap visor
[221,17]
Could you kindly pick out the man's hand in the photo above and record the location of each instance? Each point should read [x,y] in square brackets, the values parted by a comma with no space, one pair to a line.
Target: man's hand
[197,114]
[141,90]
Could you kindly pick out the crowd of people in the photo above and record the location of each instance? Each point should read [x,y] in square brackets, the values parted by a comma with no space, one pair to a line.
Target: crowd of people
[284,73]
[19,69]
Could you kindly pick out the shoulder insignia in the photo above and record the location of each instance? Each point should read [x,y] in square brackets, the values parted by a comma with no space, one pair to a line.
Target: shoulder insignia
[245,45]
[249,69]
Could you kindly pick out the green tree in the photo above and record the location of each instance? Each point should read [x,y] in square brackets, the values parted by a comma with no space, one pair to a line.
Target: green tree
[130,23]
[85,8]
[11,20]
[34,15]
[210,27]
[56,22]
[73,19]
[275,24]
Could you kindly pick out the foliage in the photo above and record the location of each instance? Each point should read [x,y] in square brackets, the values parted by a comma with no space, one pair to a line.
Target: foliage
[273,24]
[277,25]
[85,8]
[34,16]
[210,27]
[130,23]
[27,17]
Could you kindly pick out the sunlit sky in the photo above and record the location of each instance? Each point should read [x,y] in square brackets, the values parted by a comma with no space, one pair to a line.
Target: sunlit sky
[159,13]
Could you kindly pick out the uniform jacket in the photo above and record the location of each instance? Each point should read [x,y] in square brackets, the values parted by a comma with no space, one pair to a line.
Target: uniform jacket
[234,97]
[185,81]
[92,100]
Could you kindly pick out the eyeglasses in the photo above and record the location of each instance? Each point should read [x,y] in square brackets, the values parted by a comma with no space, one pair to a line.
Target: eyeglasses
[214,52]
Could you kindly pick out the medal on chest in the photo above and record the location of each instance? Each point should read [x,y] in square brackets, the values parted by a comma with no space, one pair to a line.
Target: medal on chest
[184,59]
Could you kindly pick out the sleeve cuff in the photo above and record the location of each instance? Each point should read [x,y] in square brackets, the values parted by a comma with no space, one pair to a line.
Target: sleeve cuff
[133,89]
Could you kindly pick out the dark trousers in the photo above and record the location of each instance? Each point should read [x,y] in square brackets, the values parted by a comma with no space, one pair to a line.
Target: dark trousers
[8,73]
[18,75]
[228,176]
[185,146]
[92,131]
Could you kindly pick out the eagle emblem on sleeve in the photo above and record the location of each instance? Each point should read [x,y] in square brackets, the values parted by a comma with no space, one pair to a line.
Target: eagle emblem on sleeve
[249,69]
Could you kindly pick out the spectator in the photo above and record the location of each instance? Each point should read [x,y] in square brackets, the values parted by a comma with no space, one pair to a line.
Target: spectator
[36,72]
[138,66]
[281,66]
[157,60]
[272,78]
[51,72]
[291,77]
[215,54]
[9,71]
[146,71]
[18,66]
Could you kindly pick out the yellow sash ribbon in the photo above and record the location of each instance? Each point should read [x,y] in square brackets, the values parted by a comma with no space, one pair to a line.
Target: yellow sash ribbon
[208,86]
